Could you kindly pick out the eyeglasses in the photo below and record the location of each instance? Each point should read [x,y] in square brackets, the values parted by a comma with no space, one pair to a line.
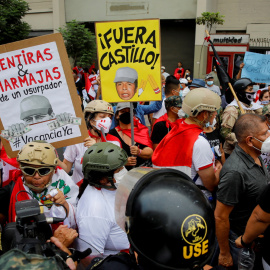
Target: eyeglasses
[41,171]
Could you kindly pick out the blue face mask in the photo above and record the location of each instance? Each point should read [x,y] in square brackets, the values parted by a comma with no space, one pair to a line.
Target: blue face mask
[181,86]
[210,83]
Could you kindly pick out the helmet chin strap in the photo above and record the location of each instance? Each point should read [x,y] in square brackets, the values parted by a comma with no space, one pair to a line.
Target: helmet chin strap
[37,188]
[203,122]
[110,179]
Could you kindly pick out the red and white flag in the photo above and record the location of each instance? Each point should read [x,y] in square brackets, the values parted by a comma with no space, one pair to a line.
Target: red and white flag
[89,88]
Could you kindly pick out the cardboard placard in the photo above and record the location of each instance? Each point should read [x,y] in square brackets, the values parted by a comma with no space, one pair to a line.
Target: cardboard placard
[38,96]
[257,67]
[129,60]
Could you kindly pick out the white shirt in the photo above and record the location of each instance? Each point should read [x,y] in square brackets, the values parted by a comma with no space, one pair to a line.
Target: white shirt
[185,92]
[74,154]
[96,222]
[202,158]
[161,112]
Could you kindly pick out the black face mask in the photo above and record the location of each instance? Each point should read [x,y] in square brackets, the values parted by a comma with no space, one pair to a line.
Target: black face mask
[125,118]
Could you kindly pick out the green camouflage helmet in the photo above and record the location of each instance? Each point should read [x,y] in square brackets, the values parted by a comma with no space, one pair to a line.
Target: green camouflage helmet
[266,110]
[17,259]
[173,101]
[103,157]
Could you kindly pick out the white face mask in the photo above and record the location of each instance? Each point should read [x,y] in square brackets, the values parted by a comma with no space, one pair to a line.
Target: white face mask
[119,176]
[265,102]
[213,124]
[104,123]
[265,146]
[181,113]
[210,83]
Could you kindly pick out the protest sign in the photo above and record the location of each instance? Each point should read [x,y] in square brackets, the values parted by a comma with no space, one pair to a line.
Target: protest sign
[257,67]
[129,60]
[38,96]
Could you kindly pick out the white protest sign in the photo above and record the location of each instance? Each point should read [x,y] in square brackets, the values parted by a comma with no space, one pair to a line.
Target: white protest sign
[38,98]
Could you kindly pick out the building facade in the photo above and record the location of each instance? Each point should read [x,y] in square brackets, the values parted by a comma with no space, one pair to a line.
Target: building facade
[246,26]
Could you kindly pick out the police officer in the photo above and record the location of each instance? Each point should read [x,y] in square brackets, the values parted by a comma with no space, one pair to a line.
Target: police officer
[244,91]
[169,223]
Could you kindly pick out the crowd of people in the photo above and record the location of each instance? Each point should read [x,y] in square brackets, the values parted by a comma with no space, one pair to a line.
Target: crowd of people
[219,143]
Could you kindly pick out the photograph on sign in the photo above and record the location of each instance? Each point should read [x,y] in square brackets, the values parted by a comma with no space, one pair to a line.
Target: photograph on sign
[129,60]
[37,94]
[257,67]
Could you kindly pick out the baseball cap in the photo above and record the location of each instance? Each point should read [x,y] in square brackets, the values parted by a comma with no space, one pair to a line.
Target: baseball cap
[208,76]
[197,83]
[183,80]
[173,101]
[122,105]
[126,74]
[162,67]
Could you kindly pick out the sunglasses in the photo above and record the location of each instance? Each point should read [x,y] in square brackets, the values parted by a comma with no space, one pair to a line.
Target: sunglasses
[41,171]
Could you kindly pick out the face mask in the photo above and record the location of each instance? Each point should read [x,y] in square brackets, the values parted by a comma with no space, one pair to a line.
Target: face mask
[125,118]
[214,123]
[104,123]
[264,102]
[162,70]
[187,74]
[215,70]
[119,176]
[181,86]
[256,88]
[250,96]
[265,146]
[181,113]
[210,83]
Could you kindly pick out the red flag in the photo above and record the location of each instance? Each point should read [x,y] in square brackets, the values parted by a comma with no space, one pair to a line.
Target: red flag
[90,69]
[88,87]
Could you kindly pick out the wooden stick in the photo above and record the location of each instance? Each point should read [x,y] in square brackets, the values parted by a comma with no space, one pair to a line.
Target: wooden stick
[231,88]
[236,98]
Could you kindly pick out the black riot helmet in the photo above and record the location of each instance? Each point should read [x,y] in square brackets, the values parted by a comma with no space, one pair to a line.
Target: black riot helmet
[240,86]
[169,222]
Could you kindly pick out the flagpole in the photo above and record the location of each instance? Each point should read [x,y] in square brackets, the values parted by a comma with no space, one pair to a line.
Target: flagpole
[132,123]
[230,85]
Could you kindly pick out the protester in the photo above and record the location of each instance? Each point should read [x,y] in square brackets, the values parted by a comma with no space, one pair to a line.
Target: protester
[242,180]
[168,222]
[266,156]
[264,97]
[185,147]
[244,91]
[209,83]
[188,76]
[183,86]
[258,224]
[212,134]
[165,123]
[95,217]
[97,114]
[172,88]
[39,176]
[141,151]
[164,73]
[179,71]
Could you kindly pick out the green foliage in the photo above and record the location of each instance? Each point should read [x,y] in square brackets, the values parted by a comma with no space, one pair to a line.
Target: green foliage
[209,19]
[12,28]
[80,43]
